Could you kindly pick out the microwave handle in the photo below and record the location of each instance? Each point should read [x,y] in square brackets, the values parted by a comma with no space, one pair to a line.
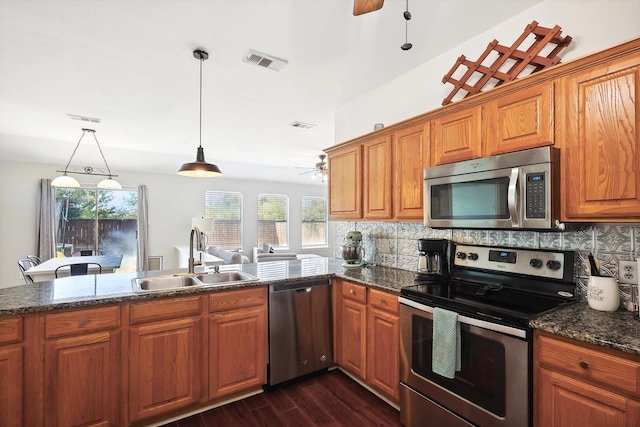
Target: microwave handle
[512,195]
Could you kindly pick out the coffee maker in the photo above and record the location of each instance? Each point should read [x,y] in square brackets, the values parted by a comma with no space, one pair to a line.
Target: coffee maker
[432,260]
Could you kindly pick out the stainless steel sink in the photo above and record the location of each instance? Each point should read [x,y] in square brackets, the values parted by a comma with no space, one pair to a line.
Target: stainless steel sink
[226,277]
[160,283]
[181,281]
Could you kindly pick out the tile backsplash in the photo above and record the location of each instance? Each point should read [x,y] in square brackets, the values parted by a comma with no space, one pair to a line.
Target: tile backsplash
[394,244]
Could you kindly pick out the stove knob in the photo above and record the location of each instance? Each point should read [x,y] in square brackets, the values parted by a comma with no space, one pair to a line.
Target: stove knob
[461,255]
[553,265]
[472,256]
[535,263]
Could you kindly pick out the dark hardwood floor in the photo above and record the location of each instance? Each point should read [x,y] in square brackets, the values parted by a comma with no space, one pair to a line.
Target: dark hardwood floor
[331,399]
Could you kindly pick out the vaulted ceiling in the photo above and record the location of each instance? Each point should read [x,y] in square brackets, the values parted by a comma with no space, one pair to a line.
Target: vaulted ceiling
[130,64]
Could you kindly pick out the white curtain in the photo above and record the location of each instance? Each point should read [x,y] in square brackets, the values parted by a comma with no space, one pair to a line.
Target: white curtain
[46,243]
[143,229]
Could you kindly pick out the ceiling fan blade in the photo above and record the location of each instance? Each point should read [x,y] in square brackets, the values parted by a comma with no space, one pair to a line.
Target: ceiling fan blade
[365,6]
[304,173]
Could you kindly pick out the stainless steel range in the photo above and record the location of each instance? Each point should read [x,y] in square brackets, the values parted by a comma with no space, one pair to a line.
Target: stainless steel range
[495,292]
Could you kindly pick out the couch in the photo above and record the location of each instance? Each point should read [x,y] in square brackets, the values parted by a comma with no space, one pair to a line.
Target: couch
[263,252]
[229,257]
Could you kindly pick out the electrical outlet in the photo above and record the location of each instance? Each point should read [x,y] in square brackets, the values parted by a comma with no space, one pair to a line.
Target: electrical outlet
[628,272]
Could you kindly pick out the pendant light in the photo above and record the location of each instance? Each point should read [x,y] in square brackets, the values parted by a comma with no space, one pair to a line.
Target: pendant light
[200,168]
[407,18]
[67,181]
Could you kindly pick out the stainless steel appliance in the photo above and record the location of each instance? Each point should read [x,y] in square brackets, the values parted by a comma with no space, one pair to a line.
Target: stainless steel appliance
[432,259]
[300,338]
[514,190]
[495,292]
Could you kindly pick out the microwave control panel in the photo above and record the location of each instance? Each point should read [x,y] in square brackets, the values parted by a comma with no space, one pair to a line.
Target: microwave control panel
[536,196]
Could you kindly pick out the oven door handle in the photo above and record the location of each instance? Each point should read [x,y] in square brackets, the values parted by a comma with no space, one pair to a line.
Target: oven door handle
[496,327]
[512,197]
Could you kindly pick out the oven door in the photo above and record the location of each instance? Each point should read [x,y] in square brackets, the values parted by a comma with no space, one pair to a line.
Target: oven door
[492,389]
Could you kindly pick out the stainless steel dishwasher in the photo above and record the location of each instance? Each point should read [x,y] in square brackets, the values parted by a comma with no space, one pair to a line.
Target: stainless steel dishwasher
[300,338]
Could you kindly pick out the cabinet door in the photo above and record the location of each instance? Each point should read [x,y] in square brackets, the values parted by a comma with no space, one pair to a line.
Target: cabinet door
[377,178]
[519,121]
[345,183]
[563,401]
[410,157]
[11,390]
[383,360]
[601,146]
[457,137]
[353,337]
[165,368]
[81,380]
[237,351]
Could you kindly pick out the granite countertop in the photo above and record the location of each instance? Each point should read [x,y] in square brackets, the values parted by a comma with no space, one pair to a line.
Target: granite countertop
[617,330]
[91,290]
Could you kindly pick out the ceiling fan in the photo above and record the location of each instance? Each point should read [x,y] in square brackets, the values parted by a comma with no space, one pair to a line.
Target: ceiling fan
[319,170]
[365,6]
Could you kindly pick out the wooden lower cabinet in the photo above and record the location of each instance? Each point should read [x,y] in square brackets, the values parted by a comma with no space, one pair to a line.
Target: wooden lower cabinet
[165,354]
[11,371]
[367,330]
[81,366]
[578,385]
[383,340]
[237,341]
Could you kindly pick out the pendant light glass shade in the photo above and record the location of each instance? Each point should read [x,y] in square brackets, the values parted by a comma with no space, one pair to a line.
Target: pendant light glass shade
[200,168]
[66,181]
[109,184]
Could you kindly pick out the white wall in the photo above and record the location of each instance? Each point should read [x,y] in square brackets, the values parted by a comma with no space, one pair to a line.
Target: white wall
[594,25]
[173,200]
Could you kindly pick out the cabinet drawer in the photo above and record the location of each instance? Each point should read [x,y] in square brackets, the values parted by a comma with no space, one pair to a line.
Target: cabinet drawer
[163,309]
[590,365]
[10,330]
[230,300]
[354,292]
[384,301]
[82,321]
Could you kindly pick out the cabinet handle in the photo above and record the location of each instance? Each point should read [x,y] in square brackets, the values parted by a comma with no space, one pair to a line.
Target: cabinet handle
[351,291]
[383,301]
[83,322]
[584,365]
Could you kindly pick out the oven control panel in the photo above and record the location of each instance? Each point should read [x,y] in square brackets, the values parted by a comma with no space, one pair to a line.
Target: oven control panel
[531,262]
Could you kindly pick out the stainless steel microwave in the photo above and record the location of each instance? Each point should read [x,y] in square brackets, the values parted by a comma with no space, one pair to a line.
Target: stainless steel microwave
[507,191]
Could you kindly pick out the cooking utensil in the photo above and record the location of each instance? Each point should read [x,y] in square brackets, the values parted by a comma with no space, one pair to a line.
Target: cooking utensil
[593,267]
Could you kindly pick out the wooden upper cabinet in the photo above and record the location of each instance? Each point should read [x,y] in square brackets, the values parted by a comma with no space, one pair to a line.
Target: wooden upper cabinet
[410,156]
[519,121]
[601,142]
[457,137]
[377,178]
[345,183]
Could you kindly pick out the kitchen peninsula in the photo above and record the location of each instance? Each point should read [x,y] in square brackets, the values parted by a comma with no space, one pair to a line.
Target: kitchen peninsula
[98,326]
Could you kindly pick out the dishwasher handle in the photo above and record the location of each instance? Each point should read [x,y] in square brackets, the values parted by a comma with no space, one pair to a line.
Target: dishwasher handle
[299,285]
[303,290]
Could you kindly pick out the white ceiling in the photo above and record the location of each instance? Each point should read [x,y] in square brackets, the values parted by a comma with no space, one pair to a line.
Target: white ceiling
[130,64]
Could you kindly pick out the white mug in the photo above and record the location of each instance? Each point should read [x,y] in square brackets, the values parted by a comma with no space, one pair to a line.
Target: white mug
[602,293]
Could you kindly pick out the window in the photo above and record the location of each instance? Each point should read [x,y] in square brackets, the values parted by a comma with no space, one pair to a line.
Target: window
[314,221]
[95,219]
[273,220]
[225,209]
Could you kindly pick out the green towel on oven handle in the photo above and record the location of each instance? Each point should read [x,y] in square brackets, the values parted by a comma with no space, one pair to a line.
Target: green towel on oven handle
[446,351]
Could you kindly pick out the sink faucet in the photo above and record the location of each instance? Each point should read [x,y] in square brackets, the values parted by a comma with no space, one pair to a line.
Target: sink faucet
[192,261]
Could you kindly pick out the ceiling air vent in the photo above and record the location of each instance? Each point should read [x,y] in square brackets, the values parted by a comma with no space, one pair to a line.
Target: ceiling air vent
[83,118]
[302,125]
[266,61]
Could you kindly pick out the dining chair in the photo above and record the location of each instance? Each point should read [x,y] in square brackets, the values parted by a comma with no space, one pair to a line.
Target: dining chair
[24,265]
[79,269]
[87,252]
[34,259]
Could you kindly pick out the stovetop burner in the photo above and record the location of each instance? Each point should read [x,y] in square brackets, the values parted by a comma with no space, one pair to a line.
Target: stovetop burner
[507,285]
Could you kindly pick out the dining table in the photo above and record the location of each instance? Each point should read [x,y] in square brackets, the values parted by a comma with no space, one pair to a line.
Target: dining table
[46,270]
